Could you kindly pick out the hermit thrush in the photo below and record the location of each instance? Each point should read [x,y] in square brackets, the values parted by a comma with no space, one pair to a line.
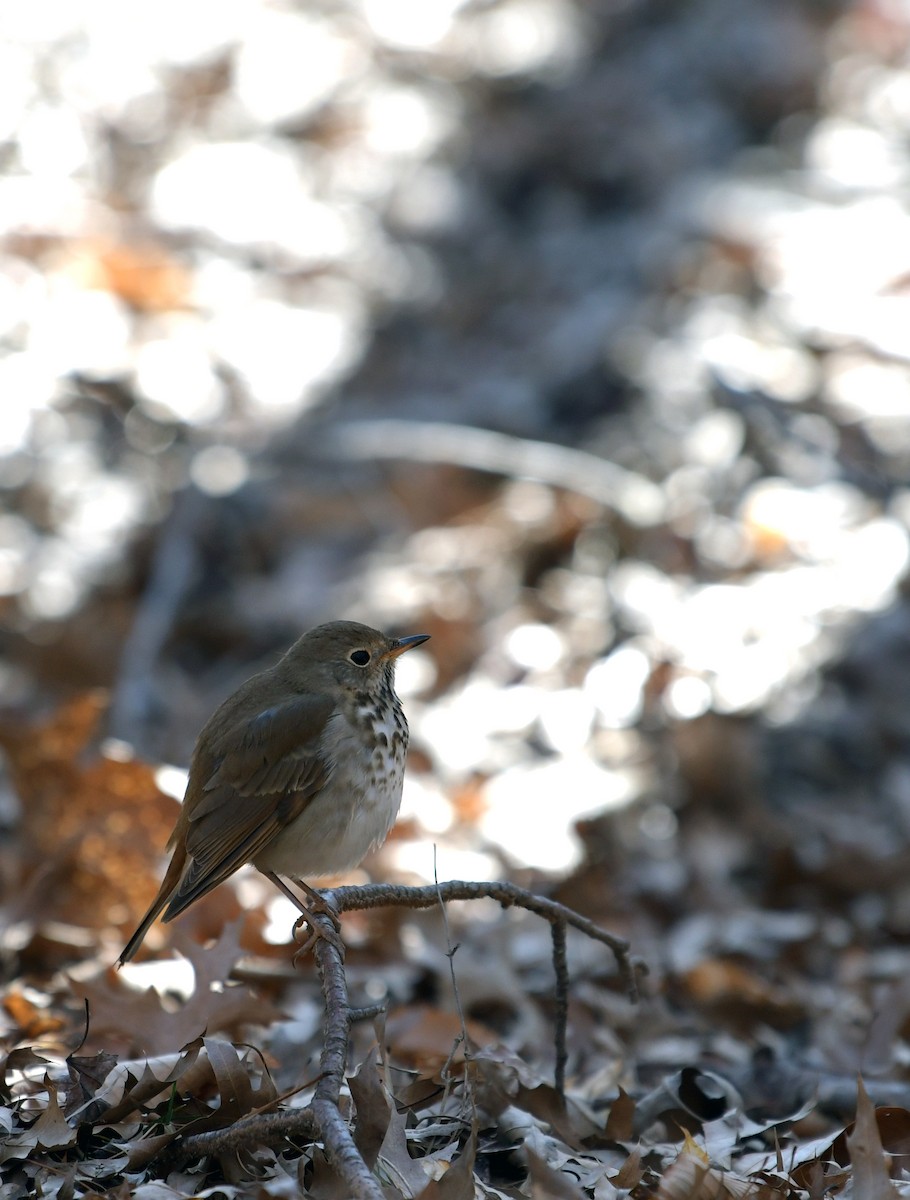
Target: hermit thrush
[299,772]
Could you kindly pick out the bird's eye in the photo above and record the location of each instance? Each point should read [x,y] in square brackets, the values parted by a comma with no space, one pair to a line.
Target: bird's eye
[360,657]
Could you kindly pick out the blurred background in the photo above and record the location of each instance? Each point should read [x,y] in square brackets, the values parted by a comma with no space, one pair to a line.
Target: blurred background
[571,332]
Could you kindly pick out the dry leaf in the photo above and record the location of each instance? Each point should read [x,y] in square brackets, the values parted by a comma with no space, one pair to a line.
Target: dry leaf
[96,824]
[424,1037]
[31,1021]
[871,1175]
[457,1182]
[156,1028]
[619,1127]
[372,1109]
[142,274]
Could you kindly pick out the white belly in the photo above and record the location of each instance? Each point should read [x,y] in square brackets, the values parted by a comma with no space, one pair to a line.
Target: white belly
[351,815]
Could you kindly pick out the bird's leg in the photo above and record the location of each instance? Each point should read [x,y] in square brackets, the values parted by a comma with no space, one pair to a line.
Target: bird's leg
[317,905]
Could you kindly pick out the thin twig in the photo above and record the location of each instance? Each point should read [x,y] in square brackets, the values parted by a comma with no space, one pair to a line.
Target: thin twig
[561,1020]
[357,897]
[463,1037]
[369,1012]
[258,1129]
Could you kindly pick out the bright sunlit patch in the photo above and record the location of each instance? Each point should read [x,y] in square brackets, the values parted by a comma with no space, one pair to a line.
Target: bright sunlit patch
[219,470]
[42,21]
[861,387]
[167,975]
[172,781]
[524,36]
[52,141]
[751,676]
[26,385]
[834,291]
[810,521]
[99,511]
[249,194]
[285,352]
[176,373]
[566,718]
[416,858]
[749,361]
[406,121]
[282,916]
[165,31]
[458,725]
[80,329]
[716,438]
[518,708]
[687,697]
[289,64]
[528,502]
[854,155]
[14,295]
[417,24]
[424,802]
[52,594]
[17,87]
[871,564]
[534,646]
[616,686]
[415,672]
[531,808]
[643,592]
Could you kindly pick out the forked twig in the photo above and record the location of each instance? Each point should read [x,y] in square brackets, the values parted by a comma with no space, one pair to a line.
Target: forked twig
[322,1120]
[355,898]
[561,967]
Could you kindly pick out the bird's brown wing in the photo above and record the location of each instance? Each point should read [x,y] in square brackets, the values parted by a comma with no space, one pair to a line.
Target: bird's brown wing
[258,777]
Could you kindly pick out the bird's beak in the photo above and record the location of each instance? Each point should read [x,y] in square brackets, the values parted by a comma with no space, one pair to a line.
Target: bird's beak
[404,644]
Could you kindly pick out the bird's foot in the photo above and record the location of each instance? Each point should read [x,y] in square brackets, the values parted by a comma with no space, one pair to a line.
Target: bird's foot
[317,905]
[318,929]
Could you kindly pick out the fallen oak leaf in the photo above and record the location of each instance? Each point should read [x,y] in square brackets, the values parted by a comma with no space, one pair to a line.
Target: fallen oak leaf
[394,1163]
[51,1131]
[211,1008]
[692,1177]
[547,1183]
[372,1107]
[30,1020]
[234,1086]
[87,1075]
[21,1060]
[457,1183]
[129,1087]
[236,1094]
[621,1119]
[871,1176]
[94,819]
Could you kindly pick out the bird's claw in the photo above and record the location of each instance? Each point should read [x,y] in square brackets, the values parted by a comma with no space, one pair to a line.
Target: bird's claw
[318,929]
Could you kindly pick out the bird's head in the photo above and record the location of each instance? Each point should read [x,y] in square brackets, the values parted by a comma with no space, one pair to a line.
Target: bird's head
[349,654]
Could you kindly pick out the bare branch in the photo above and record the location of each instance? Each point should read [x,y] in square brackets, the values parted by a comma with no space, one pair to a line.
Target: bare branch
[561,967]
[634,497]
[390,895]
[322,1120]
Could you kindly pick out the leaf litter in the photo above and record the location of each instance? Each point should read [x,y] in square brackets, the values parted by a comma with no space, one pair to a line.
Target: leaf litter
[737,812]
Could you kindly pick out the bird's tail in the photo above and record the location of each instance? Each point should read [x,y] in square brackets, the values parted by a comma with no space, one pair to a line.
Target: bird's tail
[169,885]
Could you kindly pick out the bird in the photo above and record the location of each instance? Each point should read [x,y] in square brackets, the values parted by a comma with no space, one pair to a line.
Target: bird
[299,772]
